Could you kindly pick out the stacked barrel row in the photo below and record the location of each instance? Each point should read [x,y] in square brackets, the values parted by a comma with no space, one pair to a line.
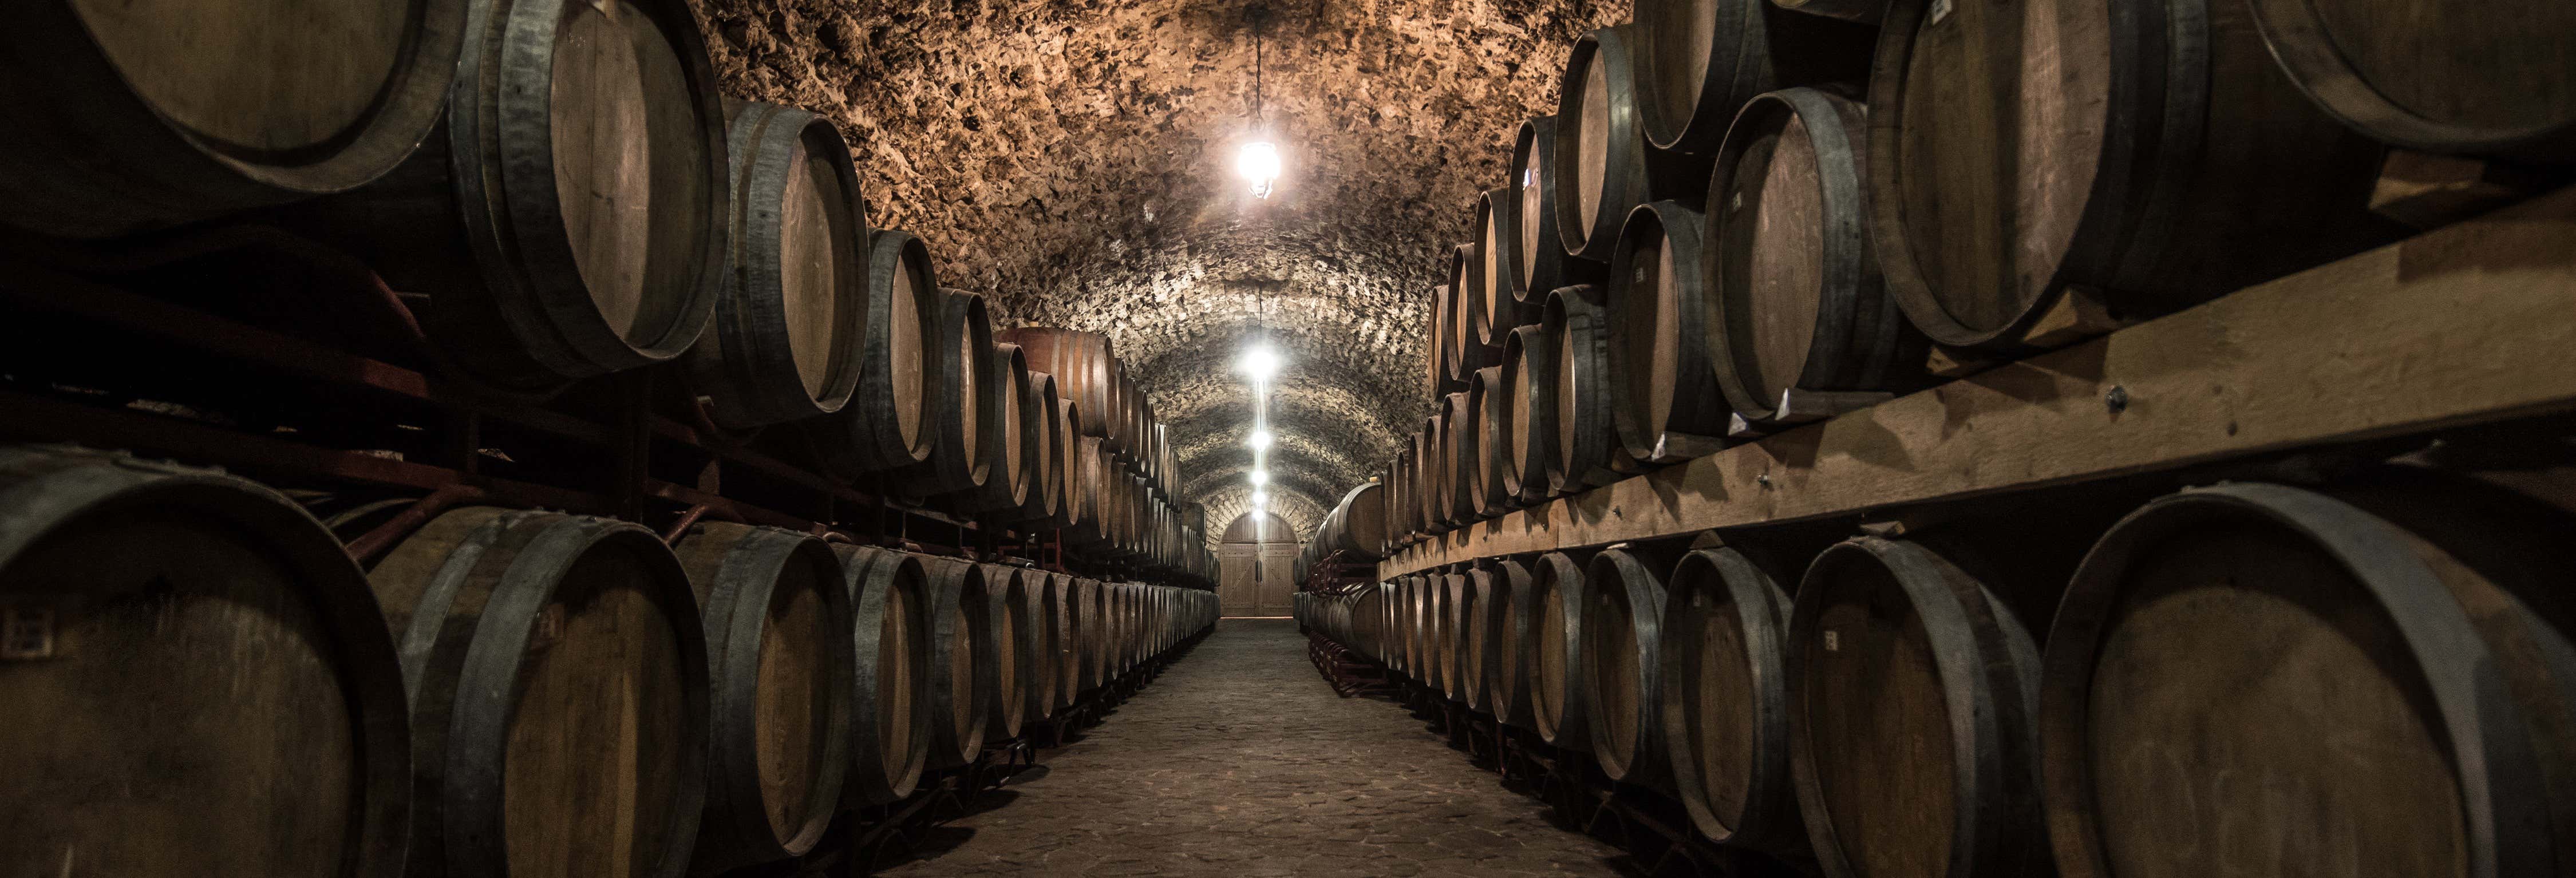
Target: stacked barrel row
[505,692]
[1354,532]
[2386,653]
[628,218]
[1745,216]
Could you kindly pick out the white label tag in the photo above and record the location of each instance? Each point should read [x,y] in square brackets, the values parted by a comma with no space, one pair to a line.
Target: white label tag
[1940,10]
[1833,642]
[26,633]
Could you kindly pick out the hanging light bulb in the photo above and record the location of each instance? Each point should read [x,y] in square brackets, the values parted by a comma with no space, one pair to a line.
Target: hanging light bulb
[1260,499]
[1259,478]
[1258,441]
[1258,164]
[1259,363]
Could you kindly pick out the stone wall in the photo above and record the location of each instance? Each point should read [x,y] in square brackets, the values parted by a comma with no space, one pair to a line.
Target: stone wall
[1073,159]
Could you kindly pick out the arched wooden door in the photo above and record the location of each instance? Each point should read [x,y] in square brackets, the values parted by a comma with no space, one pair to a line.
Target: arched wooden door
[1256,566]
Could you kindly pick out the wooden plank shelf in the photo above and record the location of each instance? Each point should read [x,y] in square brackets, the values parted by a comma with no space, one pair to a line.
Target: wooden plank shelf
[2471,323]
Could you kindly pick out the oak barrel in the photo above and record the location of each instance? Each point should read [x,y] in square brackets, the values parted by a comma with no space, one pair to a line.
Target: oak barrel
[1660,307]
[2499,80]
[1082,363]
[790,317]
[1588,451]
[890,421]
[1439,356]
[1701,60]
[568,219]
[1911,698]
[1623,663]
[891,639]
[962,660]
[2148,153]
[1726,698]
[2389,657]
[1044,435]
[146,605]
[1013,666]
[781,671]
[1458,435]
[1536,263]
[1525,415]
[1497,233]
[1604,167]
[1045,643]
[1470,617]
[1007,439]
[559,685]
[1469,435]
[1510,598]
[1467,315]
[1799,306]
[1559,704]
[130,116]
[968,410]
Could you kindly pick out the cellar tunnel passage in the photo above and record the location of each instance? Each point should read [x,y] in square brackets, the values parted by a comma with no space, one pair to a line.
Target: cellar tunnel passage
[1237,762]
[1098,139]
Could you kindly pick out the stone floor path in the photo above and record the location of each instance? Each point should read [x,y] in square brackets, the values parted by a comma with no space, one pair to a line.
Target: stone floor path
[1240,762]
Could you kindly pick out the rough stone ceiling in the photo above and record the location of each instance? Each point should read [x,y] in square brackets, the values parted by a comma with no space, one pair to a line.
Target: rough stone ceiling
[1072,159]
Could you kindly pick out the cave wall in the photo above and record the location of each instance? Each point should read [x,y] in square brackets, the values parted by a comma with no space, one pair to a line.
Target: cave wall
[1073,160]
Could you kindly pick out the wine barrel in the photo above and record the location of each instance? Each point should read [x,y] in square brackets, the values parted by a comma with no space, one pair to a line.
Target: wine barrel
[1007,437]
[569,219]
[1537,263]
[1726,698]
[889,423]
[891,639]
[1911,694]
[1469,352]
[785,340]
[1623,665]
[1661,307]
[1524,440]
[968,410]
[1357,525]
[1602,162]
[1091,627]
[1475,429]
[2153,157]
[558,675]
[1013,666]
[1438,360]
[1800,306]
[147,605]
[2497,82]
[127,117]
[780,663]
[1091,522]
[1497,232]
[1458,434]
[1701,60]
[1082,363]
[1400,525]
[2391,658]
[963,660]
[1473,621]
[1509,598]
[1048,693]
[1558,600]
[1045,435]
[1588,451]
[1453,615]
[1429,492]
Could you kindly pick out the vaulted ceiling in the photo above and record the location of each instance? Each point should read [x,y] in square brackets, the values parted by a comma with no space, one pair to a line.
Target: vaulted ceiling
[1072,159]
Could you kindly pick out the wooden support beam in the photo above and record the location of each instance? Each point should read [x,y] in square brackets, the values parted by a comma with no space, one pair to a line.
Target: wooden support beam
[2470,323]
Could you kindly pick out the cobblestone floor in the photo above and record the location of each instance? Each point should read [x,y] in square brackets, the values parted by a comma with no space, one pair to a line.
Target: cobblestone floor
[1240,762]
